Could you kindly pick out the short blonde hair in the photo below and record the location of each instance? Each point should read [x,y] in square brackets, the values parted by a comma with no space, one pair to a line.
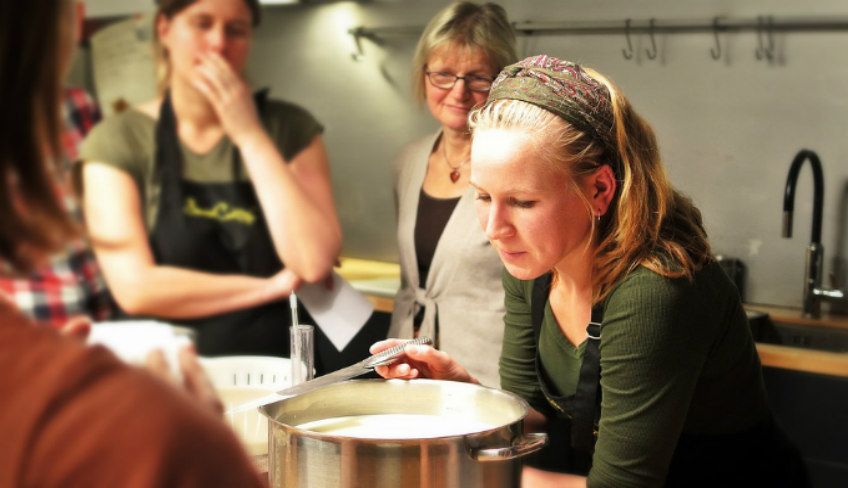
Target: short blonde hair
[468,25]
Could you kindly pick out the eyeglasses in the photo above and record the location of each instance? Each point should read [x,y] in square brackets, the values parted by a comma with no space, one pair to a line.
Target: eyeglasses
[446,81]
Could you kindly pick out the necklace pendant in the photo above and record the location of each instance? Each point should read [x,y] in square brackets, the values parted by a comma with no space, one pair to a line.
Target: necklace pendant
[454,176]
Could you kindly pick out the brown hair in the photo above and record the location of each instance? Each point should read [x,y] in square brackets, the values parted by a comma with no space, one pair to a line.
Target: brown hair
[32,218]
[469,25]
[168,9]
[648,223]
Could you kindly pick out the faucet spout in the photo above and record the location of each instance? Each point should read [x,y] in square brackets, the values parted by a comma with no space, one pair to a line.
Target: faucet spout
[815,252]
[818,194]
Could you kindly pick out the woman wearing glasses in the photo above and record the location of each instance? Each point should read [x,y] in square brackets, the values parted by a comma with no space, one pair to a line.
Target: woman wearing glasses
[450,275]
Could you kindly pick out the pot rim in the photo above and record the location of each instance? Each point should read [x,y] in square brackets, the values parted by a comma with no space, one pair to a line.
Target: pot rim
[290,429]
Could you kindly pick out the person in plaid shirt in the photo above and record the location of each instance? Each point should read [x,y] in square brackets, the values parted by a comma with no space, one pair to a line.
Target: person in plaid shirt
[70,286]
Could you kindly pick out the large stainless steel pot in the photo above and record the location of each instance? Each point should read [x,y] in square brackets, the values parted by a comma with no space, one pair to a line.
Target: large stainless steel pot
[489,458]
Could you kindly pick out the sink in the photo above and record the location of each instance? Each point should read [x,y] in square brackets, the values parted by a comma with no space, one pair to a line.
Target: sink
[767,330]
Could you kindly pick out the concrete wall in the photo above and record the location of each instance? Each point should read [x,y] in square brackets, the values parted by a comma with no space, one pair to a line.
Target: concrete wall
[728,129]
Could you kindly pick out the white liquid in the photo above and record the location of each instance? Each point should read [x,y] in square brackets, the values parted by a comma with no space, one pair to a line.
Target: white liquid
[250,425]
[396,426]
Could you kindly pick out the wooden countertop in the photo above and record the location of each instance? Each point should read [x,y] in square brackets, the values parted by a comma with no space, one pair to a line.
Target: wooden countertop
[794,316]
[806,360]
[378,280]
[801,359]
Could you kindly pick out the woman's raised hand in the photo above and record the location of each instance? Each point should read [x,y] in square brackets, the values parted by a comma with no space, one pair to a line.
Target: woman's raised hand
[421,362]
[230,96]
[194,382]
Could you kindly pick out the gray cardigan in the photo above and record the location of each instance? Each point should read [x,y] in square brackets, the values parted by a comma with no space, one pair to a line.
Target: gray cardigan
[463,286]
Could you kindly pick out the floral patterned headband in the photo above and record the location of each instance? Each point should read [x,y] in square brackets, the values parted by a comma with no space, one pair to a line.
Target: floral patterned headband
[563,88]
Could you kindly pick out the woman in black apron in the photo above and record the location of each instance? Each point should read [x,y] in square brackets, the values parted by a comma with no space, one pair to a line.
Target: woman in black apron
[622,332]
[208,206]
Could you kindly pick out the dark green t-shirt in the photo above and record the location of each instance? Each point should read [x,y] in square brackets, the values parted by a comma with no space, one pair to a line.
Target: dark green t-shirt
[676,357]
[128,141]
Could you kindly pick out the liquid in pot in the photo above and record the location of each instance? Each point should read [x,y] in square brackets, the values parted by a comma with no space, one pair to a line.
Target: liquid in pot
[397,426]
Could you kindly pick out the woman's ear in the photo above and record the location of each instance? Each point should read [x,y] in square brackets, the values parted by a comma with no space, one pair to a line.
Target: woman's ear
[163,25]
[603,189]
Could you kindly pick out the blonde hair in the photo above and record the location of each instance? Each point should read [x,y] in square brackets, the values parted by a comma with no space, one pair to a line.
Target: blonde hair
[467,25]
[648,223]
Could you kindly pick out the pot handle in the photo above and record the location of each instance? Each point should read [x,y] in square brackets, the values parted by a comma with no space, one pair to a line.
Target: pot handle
[526,444]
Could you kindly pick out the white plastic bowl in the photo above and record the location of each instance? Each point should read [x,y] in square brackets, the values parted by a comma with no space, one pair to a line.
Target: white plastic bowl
[132,340]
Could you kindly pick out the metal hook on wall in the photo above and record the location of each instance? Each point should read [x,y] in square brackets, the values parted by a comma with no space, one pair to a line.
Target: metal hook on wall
[652,53]
[715,52]
[627,53]
[358,34]
[765,38]
[770,37]
[358,53]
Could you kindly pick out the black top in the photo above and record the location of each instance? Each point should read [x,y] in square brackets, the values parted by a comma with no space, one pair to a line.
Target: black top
[433,215]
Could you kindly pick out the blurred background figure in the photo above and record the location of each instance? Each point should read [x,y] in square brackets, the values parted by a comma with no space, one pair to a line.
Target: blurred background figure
[72,415]
[69,284]
[450,275]
[208,205]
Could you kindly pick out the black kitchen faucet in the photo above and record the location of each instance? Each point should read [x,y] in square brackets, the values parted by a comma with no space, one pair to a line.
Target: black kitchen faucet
[813,292]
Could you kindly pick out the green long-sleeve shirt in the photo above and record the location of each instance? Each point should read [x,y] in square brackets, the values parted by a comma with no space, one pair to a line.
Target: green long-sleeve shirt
[676,357]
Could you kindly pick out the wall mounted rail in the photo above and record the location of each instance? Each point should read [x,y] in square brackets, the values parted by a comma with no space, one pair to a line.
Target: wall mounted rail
[764,25]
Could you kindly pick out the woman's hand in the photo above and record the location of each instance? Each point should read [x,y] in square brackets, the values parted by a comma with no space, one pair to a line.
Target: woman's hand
[536,478]
[78,327]
[230,96]
[195,383]
[421,362]
[282,284]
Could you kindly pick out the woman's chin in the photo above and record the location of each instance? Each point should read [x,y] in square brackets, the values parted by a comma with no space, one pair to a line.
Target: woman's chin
[524,273]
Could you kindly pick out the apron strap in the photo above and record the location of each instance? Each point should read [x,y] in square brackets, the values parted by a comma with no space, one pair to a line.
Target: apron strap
[541,288]
[168,146]
[584,407]
[169,158]
[587,399]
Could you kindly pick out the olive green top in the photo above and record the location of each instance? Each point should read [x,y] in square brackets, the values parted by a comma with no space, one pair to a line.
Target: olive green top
[676,357]
[127,141]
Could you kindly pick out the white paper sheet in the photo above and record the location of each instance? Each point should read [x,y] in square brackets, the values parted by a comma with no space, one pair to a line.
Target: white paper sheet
[123,64]
[340,312]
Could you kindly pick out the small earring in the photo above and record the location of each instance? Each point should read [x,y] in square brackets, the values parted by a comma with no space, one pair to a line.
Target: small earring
[598,217]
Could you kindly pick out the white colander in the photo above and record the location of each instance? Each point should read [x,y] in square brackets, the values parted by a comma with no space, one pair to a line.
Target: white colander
[240,379]
[266,372]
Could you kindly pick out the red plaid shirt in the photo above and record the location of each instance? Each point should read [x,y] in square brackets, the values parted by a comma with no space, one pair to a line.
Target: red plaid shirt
[71,284]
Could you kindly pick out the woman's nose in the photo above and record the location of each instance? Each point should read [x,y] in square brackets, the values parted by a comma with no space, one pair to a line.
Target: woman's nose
[216,39]
[497,224]
[460,89]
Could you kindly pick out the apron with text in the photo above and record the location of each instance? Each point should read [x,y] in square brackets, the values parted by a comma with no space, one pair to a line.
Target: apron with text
[217,228]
